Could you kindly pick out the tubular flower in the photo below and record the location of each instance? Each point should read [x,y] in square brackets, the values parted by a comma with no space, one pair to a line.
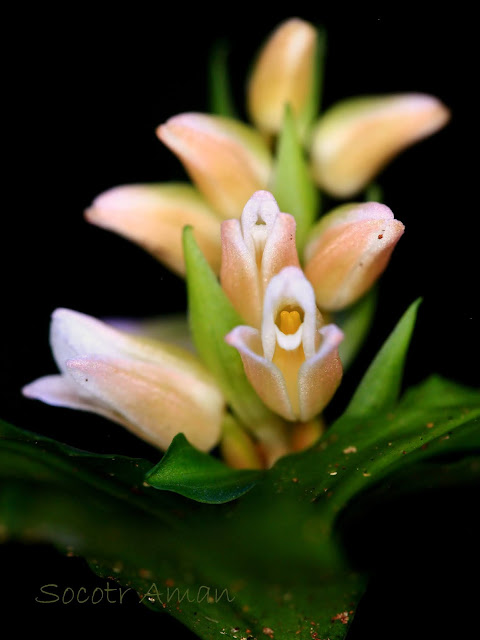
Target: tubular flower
[153,217]
[153,389]
[283,74]
[356,138]
[292,362]
[254,249]
[348,250]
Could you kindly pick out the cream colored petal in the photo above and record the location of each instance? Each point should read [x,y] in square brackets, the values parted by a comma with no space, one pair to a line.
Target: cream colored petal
[280,249]
[253,251]
[226,159]
[239,275]
[158,402]
[262,374]
[257,220]
[349,250]
[320,375]
[356,138]
[61,391]
[282,75]
[75,334]
[153,216]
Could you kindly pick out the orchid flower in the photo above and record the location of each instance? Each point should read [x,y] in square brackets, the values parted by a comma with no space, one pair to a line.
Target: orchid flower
[293,362]
[157,389]
[229,160]
[152,388]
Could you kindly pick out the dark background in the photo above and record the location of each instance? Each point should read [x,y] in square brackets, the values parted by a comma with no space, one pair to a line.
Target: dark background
[88,89]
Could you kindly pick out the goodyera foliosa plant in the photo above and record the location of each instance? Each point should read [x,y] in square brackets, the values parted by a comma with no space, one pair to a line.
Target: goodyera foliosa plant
[281,297]
[284,288]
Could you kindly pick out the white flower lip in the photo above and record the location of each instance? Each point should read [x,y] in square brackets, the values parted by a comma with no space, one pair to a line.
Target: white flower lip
[289,288]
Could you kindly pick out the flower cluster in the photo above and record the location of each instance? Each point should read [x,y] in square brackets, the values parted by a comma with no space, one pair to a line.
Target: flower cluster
[286,292]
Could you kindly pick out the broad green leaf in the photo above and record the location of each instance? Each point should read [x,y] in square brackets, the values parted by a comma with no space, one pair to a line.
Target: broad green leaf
[199,476]
[380,386]
[355,322]
[220,92]
[211,318]
[293,186]
[274,550]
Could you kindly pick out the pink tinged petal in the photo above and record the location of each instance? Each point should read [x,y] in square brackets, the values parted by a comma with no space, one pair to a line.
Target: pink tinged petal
[263,375]
[226,159]
[320,375]
[74,334]
[253,251]
[282,75]
[348,250]
[356,138]
[156,402]
[239,275]
[280,249]
[59,391]
[154,215]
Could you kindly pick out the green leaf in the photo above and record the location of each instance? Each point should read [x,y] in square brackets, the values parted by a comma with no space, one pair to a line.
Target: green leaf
[220,93]
[199,476]
[212,317]
[293,186]
[275,549]
[355,322]
[380,385]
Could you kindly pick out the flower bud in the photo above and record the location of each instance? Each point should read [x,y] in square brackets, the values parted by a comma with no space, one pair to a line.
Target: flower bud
[151,388]
[293,362]
[356,138]
[153,216]
[283,75]
[254,249]
[348,250]
[226,159]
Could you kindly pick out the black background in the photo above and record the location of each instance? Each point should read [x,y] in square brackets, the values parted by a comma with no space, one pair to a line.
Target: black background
[87,89]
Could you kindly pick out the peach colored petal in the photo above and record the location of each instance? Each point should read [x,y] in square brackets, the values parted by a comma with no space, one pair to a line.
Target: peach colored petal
[60,391]
[356,138]
[226,159]
[157,402]
[239,275]
[253,251]
[282,75]
[153,216]
[262,374]
[349,250]
[320,375]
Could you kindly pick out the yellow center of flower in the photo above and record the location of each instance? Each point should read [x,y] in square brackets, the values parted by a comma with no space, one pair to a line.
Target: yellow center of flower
[289,322]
